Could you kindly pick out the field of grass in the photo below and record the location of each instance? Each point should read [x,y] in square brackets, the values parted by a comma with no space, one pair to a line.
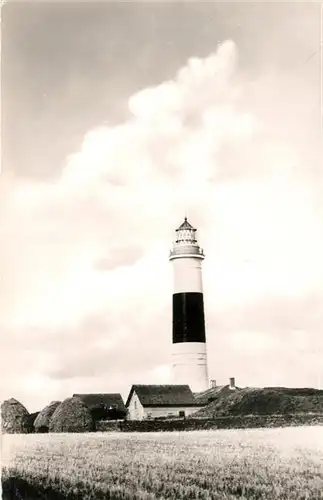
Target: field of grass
[223,464]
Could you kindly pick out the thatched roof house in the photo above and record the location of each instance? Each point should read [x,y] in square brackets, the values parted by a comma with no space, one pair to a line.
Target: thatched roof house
[205,397]
[104,406]
[41,423]
[72,415]
[163,395]
[154,401]
[15,418]
[264,401]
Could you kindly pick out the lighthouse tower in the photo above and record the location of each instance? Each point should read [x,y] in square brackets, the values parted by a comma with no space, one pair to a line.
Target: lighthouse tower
[189,357]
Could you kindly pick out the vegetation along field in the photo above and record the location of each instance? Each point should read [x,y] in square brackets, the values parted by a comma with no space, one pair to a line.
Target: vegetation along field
[222,464]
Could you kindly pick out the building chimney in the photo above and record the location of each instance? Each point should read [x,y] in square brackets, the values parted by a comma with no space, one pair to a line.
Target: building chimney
[232,384]
[213,383]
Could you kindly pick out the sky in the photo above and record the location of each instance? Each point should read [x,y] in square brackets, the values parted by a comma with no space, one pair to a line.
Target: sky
[118,119]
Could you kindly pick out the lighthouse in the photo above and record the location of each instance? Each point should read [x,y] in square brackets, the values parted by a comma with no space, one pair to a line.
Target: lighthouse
[189,356]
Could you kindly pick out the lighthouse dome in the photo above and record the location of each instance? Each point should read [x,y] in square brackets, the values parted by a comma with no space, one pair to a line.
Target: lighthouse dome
[185,225]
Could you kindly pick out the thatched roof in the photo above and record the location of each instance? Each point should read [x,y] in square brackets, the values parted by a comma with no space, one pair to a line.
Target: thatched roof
[264,401]
[109,401]
[41,422]
[163,395]
[15,419]
[209,395]
[72,415]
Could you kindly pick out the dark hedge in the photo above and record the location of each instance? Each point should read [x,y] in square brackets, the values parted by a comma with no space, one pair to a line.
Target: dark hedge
[232,422]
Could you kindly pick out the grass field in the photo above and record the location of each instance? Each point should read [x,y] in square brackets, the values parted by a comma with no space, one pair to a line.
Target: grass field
[225,464]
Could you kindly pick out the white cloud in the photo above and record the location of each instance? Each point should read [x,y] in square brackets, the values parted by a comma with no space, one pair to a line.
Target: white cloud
[85,257]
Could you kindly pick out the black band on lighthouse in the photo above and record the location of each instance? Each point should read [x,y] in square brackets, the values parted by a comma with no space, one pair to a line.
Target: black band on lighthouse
[188,317]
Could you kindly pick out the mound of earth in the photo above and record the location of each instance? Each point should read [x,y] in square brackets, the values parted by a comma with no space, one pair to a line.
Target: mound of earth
[265,401]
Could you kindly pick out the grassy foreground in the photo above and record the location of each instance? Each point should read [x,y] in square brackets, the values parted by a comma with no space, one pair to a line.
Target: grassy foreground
[225,464]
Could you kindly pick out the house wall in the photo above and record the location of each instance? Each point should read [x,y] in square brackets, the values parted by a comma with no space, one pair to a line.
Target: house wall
[153,412]
[135,409]
[172,411]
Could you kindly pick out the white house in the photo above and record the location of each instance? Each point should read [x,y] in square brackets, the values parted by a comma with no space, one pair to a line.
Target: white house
[152,401]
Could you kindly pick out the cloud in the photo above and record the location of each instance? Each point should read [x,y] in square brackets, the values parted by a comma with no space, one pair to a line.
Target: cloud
[86,281]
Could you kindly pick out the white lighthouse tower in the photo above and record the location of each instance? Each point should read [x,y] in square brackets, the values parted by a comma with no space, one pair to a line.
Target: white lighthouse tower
[189,357]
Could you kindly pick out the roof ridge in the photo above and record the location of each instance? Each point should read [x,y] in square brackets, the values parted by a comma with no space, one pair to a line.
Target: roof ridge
[163,394]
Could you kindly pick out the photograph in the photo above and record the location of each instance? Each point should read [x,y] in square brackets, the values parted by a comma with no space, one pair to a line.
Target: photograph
[161,250]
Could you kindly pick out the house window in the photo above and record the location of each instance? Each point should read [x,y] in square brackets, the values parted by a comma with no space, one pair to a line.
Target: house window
[182,413]
[135,405]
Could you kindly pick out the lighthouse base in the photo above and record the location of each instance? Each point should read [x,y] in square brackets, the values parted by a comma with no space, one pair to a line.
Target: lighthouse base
[189,362]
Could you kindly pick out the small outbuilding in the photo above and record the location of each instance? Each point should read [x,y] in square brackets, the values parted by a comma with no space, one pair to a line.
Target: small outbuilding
[15,418]
[104,406]
[156,401]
